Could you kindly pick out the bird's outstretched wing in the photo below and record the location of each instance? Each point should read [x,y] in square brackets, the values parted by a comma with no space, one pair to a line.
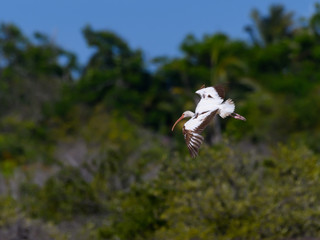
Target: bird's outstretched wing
[193,141]
[212,92]
[193,128]
[220,90]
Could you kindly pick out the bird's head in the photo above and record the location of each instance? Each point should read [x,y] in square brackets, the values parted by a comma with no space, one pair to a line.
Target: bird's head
[184,115]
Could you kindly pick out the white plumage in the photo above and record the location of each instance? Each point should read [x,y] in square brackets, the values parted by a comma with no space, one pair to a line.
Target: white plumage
[226,108]
[211,103]
[194,122]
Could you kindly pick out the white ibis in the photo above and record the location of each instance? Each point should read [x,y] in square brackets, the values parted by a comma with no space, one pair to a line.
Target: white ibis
[211,103]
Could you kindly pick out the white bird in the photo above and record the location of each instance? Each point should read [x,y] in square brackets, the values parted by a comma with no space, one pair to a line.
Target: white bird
[211,103]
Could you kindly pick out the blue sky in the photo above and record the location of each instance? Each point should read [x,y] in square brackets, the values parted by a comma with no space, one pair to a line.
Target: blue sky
[157,27]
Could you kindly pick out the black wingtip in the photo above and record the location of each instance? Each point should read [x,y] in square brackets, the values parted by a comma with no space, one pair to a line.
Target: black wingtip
[220,90]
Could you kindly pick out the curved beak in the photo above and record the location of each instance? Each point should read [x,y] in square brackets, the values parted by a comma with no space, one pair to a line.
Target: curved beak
[182,117]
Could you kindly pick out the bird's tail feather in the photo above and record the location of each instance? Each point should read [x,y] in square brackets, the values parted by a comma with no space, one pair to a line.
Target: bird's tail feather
[226,108]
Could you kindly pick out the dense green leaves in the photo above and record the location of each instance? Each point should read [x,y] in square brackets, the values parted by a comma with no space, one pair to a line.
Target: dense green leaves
[87,152]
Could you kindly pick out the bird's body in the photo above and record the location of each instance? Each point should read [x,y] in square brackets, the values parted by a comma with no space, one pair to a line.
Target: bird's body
[211,103]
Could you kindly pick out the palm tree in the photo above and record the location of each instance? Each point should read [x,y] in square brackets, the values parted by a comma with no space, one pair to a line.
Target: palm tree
[274,27]
[314,21]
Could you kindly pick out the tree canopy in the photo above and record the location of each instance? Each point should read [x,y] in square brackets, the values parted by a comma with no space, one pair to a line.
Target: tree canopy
[87,152]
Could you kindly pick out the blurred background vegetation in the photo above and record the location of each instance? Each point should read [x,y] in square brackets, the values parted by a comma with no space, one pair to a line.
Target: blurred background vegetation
[86,152]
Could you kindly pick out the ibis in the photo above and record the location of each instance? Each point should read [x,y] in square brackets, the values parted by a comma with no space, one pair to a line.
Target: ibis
[211,103]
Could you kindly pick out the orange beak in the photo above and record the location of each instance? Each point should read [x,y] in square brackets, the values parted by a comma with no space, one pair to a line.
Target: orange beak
[182,117]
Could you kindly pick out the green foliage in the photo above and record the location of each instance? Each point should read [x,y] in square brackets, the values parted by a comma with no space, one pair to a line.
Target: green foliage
[89,155]
[8,210]
[224,195]
[19,144]
[274,27]
[65,196]
[136,215]
[28,66]
[119,155]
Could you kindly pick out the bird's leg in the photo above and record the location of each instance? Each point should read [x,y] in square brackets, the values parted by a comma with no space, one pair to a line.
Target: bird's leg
[238,116]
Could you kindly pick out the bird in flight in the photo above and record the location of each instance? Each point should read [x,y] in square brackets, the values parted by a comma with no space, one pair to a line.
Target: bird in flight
[211,103]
